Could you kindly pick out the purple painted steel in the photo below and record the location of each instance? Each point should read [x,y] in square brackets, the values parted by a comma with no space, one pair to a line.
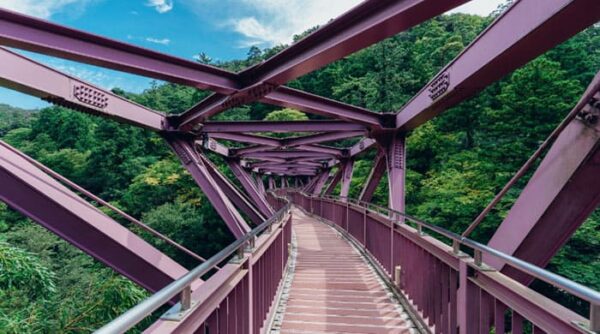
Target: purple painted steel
[251,188]
[333,183]
[321,149]
[245,138]
[25,32]
[379,168]
[527,29]
[287,155]
[320,138]
[279,127]
[452,294]
[56,87]
[239,199]
[213,145]
[347,169]
[261,184]
[396,164]
[241,296]
[321,181]
[560,195]
[365,24]
[190,159]
[363,145]
[236,152]
[313,104]
[271,183]
[368,23]
[30,191]
[278,165]
[304,148]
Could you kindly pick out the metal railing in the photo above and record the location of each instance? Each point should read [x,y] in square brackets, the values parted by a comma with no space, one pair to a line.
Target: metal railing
[182,286]
[399,218]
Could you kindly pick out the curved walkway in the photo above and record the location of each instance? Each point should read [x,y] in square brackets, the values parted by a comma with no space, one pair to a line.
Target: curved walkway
[332,289]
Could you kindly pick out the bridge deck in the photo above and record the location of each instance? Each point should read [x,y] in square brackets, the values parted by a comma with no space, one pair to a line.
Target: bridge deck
[333,290]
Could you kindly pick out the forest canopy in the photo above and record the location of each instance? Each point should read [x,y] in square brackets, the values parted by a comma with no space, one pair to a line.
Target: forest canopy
[456,163]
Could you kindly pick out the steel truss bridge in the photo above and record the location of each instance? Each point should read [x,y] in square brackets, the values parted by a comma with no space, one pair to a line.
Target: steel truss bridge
[349,265]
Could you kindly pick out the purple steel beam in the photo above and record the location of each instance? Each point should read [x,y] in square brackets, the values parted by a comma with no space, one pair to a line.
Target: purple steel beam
[347,169]
[274,169]
[36,195]
[321,149]
[396,162]
[29,77]
[287,154]
[253,149]
[334,181]
[215,146]
[320,138]
[280,165]
[379,168]
[561,194]
[250,187]
[311,183]
[280,126]
[364,25]
[363,145]
[313,104]
[247,163]
[261,184]
[307,163]
[28,33]
[321,181]
[191,160]
[527,29]
[271,183]
[245,138]
[238,198]
[25,32]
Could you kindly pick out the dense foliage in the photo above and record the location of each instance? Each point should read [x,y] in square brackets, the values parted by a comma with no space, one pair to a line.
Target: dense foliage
[457,162]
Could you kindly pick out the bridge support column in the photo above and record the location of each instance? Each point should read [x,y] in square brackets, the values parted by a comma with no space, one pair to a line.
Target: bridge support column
[334,181]
[320,182]
[374,178]
[271,182]
[251,188]
[27,189]
[347,170]
[561,194]
[260,184]
[239,199]
[396,161]
[190,159]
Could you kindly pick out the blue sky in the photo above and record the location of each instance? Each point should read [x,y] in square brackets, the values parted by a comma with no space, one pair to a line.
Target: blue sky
[223,29]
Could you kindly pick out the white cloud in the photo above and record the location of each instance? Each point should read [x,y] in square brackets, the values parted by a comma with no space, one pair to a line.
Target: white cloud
[163,41]
[40,8]
[277,21]
[478,7]
[161,6]
[270,22]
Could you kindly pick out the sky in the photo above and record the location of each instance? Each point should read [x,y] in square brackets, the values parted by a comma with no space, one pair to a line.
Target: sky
[223,29]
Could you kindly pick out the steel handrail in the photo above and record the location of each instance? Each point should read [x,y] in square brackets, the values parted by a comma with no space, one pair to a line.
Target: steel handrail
[136,314]
[553,279]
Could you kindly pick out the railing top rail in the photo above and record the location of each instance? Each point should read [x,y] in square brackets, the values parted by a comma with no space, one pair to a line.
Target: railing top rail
[558,281]
[136,314]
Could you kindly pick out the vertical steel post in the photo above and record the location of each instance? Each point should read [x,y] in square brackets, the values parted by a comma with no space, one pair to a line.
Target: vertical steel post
[595,318]
[347,169]
[396,162]
[190,159]
[251,188]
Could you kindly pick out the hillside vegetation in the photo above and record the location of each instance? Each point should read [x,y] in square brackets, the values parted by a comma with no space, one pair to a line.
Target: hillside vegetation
[457,162]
